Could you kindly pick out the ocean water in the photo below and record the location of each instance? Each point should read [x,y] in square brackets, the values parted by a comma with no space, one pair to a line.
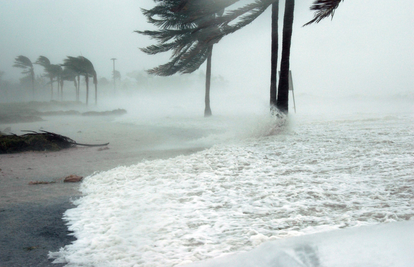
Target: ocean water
[259,179]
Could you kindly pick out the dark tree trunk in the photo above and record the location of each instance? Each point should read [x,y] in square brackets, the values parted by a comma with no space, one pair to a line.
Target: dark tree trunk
[283,90]
[207,110]
[275,47]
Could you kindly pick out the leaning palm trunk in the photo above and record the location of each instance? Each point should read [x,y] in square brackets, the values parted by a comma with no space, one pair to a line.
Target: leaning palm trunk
[207,110]
[87,88]
[78,90]
[61,89]
[283,90]
[51,88]
[33,82]
[275,48]
[95,82]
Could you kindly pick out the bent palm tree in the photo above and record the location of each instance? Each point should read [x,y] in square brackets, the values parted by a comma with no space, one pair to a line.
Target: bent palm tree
[26,64]
[68,75]
[52,71]
[184,31]
[83,66]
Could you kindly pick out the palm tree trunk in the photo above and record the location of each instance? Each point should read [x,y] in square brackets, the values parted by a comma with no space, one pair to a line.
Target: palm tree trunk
[275,48]
[61,89]
[283,90]
[87,88]
[96,94]
[78,89]
[58,87]
[51,88]
[95,82]
[33,82]
[207,110]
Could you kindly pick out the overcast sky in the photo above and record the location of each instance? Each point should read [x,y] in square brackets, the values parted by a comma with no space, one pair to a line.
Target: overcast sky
[366,49]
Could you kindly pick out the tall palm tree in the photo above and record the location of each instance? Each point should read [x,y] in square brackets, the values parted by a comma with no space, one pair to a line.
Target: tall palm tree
[83,66]
[26,64]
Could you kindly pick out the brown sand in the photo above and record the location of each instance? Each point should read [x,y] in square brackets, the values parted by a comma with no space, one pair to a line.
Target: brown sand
[31,222]
[128,144]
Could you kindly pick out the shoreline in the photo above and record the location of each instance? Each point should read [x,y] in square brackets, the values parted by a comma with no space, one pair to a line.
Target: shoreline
[31,221]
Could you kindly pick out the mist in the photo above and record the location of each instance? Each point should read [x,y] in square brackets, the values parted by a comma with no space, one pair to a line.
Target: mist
[366,50]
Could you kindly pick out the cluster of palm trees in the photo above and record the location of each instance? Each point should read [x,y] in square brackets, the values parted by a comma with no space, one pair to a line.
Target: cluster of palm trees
[71,70]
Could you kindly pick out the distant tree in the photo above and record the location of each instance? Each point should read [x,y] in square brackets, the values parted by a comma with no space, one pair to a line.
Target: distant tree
[83,66]
[27,66]
[52,71]
[116,75]
[68,75]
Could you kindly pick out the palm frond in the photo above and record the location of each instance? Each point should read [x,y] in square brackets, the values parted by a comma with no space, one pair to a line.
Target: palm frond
[22,62]
[42,61]
[323,9]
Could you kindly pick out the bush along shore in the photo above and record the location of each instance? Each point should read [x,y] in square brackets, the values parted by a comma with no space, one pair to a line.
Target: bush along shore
[37,141]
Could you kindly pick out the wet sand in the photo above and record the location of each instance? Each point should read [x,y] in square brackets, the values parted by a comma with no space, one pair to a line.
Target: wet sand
[31,222]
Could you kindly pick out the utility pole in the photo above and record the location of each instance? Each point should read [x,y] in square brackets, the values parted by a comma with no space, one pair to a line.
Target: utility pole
[113,73]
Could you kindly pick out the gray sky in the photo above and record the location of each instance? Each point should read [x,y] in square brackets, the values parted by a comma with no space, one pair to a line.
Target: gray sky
[366,49]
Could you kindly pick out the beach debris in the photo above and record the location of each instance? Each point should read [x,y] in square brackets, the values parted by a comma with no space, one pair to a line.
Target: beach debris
[103,148]
[40,182]
[72,179]
[115,112]
[37,141]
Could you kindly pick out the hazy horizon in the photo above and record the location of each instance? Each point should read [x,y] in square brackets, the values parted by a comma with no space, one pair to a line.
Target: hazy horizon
[365,50]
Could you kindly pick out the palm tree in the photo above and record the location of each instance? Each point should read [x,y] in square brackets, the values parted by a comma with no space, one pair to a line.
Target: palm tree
[26,64]
[192,39]
[52,71]
[73,64]
[68,75]
[83,66]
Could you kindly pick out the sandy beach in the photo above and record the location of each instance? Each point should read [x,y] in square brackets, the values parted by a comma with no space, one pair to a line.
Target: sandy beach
[31,215]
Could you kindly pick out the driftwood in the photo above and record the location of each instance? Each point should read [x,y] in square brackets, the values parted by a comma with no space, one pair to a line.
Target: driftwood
[37,141]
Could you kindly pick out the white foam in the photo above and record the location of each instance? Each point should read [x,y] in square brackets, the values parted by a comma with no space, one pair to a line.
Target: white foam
[311,176]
